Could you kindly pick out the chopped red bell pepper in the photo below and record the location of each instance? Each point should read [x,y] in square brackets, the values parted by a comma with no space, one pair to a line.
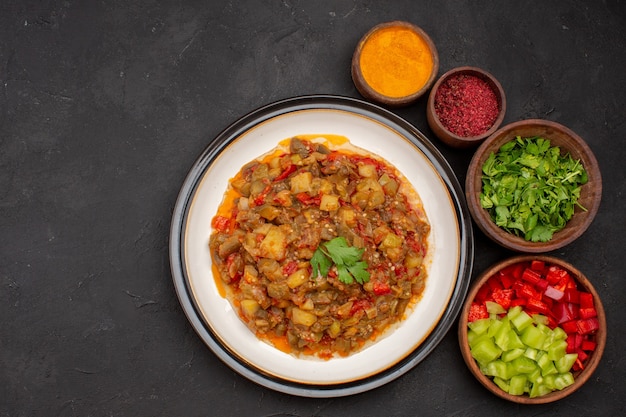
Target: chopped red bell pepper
[483,293]
[477,311]
[553,293]
[574,342]
[571,295]
[570,327]
[588,345]
[582,355]
[578,365]
[518,302]
[586,326]
[531,276]
[586,299]
[586,313]
[507,281]
[538,306]
[503,297]
[555,274]
[494,283]
[538,266]
[542,284]
[525,290]
[514,270]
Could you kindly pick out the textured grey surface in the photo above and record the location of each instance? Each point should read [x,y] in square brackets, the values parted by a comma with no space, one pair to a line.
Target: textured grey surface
[105,105]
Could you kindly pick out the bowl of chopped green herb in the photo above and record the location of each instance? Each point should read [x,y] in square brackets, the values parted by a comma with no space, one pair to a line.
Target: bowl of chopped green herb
[533,186]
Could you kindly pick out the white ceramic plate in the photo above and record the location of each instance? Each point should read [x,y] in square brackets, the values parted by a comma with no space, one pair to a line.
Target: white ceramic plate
[370,128]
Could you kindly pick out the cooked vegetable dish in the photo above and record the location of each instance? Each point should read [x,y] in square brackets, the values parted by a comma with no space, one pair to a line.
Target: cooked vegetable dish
[320,248]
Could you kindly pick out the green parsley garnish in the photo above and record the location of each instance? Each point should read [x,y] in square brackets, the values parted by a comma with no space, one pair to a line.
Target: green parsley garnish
[346,259]
[530,189]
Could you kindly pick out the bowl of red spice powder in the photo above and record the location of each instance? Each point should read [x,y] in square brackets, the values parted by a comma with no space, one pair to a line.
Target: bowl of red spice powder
[465,106]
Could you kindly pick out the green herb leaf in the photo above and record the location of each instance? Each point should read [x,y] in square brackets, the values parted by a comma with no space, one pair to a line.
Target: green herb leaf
[341,253]
[530,189]
[321,263]
[359,272]
[347,260]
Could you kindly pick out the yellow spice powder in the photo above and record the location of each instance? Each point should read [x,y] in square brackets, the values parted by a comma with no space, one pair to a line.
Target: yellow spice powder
[396,61]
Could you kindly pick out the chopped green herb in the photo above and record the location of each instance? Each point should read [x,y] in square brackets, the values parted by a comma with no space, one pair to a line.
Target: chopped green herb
[530,189]
[321,263]
[346,259]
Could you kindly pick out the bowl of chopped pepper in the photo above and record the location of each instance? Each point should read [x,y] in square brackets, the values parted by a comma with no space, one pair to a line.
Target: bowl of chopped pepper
[533,186]
[532,329]
[465,106]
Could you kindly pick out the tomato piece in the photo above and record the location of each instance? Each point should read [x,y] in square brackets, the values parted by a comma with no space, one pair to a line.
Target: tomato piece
[307,200]
[260,199]
[286,172]
[414,244]
[221,223]
[359,305]
[477,311]
[290,268]
[234,271]
[381,288]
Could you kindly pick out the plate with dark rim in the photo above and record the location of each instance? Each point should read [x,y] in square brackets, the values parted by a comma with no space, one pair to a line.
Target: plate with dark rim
[376,131]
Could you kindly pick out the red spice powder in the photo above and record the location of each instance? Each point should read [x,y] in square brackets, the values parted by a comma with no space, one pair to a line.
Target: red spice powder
[466,105]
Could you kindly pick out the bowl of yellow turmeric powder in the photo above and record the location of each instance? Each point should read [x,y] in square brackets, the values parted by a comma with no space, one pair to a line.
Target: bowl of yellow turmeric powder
[394,64]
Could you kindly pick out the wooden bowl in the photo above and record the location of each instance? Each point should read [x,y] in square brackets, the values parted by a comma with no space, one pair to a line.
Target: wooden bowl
[367,91]
[441,131]
[568,141]
[580,377]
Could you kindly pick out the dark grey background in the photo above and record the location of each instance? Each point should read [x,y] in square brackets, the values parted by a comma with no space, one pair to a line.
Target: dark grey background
[104,106]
